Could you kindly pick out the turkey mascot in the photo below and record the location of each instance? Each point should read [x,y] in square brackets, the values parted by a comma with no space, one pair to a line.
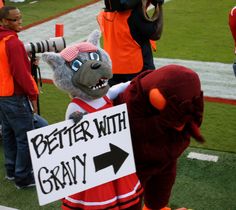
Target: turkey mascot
[165,109]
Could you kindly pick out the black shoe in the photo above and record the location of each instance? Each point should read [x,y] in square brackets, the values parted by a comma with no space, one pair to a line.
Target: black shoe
[25,184]
[10,178]
[10,175]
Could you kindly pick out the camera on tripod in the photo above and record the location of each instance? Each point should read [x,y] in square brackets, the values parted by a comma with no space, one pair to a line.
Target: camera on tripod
[55,44]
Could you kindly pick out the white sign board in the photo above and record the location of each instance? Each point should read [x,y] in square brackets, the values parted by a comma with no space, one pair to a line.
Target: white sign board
[68,158]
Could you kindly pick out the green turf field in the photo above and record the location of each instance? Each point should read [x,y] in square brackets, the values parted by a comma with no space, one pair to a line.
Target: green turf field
[193,30]
[204,185]
[197,30]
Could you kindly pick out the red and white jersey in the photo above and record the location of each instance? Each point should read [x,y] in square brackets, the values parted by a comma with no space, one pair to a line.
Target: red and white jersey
[118,194]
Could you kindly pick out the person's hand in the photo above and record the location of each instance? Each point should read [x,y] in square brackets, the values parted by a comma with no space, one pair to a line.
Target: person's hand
[34,106]
[36,61]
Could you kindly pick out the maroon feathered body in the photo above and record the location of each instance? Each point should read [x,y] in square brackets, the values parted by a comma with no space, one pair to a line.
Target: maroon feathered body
[156,142]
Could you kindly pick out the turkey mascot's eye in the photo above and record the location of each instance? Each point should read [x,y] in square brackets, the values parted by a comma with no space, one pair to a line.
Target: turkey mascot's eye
[76,64]
[94,56]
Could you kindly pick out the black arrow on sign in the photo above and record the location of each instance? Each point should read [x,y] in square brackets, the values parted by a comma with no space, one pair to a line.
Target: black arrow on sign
[115,157]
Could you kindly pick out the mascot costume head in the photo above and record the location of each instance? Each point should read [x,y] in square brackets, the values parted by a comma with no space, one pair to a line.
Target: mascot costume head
[82,70]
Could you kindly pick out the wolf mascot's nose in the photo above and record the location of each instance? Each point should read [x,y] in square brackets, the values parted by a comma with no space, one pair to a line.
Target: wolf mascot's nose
[95,65]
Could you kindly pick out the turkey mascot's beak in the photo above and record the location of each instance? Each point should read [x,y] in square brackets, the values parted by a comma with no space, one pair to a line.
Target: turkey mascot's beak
[196,133]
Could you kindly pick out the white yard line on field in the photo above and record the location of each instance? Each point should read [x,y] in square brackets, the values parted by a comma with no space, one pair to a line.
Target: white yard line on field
[204,157]
[6,208]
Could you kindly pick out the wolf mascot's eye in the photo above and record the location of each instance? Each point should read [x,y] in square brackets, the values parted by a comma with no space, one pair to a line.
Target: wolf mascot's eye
[94,56]
[76,64]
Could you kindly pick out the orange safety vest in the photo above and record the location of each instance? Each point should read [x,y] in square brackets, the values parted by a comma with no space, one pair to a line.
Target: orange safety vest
[6,81]
[125,52]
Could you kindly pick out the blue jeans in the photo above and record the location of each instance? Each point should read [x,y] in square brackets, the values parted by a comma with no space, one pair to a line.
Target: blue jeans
[17,118]
[234,67]
[39,122]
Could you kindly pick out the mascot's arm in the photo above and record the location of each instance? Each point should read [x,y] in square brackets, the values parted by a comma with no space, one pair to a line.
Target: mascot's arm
[74,112]
[77,116]
[73,107]
[158,26]
[115,90]
[143,26]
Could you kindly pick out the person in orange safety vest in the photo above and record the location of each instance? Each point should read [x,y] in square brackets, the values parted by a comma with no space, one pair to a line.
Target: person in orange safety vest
[127,36]
[18,99]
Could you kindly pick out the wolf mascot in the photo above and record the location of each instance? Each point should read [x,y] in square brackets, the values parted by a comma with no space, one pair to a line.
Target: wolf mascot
[82,70]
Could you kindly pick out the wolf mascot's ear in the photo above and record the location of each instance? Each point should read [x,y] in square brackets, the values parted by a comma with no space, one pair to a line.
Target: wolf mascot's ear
[94,38]
[53,59]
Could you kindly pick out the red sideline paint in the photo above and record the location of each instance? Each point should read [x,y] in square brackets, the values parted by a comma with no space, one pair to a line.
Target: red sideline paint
[48,81]
[58,15]
[220,100]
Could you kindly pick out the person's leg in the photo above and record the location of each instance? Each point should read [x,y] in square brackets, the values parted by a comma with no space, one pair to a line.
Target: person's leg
[39,121]
[234,67]
[24,124]
[20,119]
[118,78]
[9,147]
[158,186]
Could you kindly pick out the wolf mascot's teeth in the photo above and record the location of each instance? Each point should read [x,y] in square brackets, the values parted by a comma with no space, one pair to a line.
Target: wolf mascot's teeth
[101,84]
